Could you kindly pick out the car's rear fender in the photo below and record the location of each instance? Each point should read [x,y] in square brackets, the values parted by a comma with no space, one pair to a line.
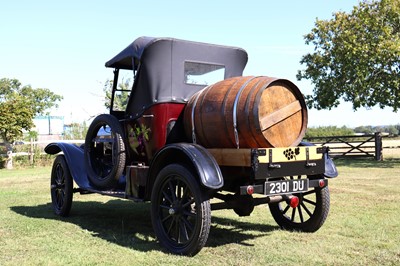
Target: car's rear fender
[193,156]
[330,167]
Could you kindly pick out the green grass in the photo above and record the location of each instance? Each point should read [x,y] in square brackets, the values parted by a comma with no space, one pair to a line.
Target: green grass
[362,228]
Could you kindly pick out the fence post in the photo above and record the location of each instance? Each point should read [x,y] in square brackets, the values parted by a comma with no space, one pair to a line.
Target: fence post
[31,153]
[378,146]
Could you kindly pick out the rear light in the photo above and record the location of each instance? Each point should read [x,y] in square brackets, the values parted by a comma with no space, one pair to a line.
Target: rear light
[294,202]
[321,183]
[250,190]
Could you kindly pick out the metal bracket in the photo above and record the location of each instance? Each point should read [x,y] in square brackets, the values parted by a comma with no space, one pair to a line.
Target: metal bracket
[254,160]
[308,163]
[194,140]
[270,163]
[234,111]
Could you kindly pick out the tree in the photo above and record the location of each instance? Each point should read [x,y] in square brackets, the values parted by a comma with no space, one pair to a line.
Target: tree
[121,96]
[398,128]
[328,131]
[18,106]
[76,131]
[392,130]
[364,129]
[356,57]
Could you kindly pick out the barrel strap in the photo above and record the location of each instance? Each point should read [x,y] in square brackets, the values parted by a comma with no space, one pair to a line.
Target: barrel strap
[235,104]
[192,115]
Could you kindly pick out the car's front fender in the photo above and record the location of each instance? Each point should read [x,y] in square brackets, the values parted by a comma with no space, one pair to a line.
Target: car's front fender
[74,156]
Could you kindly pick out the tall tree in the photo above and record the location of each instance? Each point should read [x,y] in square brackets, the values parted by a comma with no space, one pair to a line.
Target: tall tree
[356,57]
[18,106]
[121,96]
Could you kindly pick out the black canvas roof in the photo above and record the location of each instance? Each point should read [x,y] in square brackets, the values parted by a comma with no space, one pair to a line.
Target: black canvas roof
[160,69]
[123,60]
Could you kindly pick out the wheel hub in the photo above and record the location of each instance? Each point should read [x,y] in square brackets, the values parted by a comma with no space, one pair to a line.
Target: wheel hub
[175,208]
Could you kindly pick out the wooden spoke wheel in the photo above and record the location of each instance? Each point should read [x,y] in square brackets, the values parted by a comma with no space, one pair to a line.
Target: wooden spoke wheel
[61,187]
[180,212]
[309,215]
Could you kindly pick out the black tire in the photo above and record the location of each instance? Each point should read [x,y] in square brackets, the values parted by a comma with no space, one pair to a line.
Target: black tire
[180,211]
[105,160]
[308,216]
[61,187]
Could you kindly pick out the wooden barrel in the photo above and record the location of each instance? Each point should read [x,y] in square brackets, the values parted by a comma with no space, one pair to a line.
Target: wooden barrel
[247,112]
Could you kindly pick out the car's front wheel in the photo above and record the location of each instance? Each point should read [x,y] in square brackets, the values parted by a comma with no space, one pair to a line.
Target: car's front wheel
[61,187]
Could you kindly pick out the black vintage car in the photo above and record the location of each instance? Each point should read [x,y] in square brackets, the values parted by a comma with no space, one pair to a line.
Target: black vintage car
[197,136]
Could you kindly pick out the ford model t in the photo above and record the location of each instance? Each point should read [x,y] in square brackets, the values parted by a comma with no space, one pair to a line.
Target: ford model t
[196,136]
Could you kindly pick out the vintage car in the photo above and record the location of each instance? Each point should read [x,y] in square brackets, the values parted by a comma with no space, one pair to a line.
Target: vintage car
[196,136]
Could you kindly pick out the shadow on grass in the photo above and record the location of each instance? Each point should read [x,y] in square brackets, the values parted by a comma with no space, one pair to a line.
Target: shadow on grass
[367,163]
[129,225]
[227,231]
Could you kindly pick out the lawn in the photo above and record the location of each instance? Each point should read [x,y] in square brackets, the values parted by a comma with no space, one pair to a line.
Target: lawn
[362,228]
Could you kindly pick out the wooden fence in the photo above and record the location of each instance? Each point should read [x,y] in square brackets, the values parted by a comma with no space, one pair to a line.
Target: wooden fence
[355,146]
[339,146]
[32,146]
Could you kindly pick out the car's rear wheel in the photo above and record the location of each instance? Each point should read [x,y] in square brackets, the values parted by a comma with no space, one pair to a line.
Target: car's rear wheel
[309,215]
[61,187]
[180,211]
[105,154]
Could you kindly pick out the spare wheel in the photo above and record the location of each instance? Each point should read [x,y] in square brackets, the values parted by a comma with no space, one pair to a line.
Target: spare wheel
[105,153]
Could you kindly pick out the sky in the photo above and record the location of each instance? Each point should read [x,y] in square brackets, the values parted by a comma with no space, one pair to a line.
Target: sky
[63,45]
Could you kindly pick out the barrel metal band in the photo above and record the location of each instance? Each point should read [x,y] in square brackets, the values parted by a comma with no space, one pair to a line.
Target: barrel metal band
[235,104]
[192,115]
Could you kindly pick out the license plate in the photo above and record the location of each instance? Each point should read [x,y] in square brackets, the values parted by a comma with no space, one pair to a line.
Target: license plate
[286,186]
